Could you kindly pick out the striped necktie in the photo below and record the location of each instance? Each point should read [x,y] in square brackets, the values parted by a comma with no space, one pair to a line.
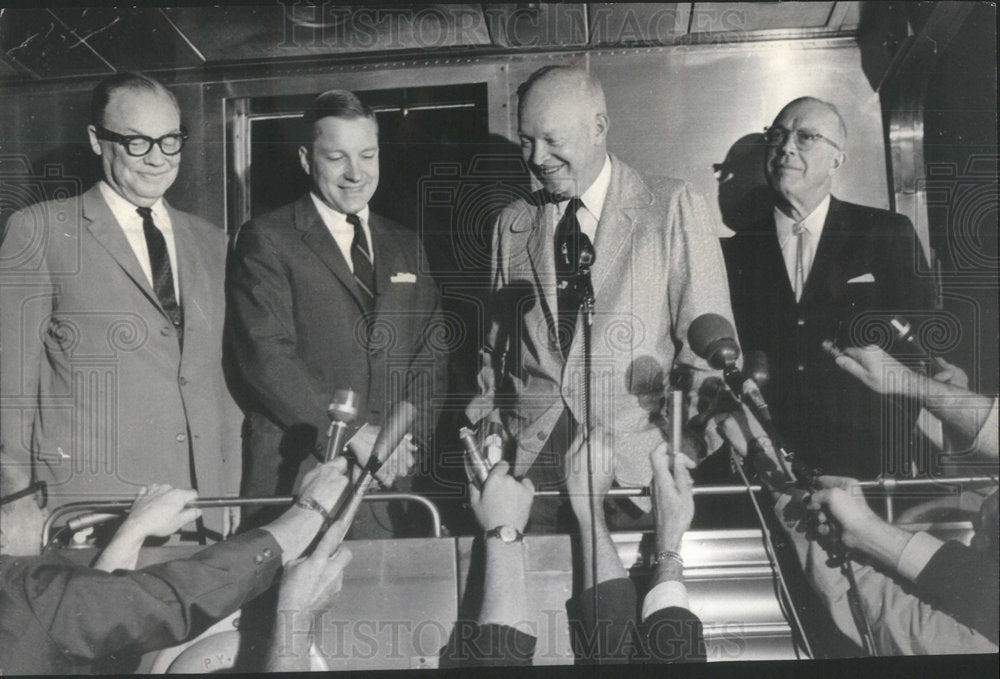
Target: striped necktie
[361,260]
[163,277]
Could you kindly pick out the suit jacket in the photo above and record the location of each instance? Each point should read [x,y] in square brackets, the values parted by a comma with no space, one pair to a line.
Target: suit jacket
[296,332]
[57,617]
[97,393]
[657,268]
[963,583]
[824,413]
[668,635]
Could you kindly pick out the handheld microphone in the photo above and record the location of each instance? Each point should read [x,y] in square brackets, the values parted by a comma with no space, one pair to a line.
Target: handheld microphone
[342,411]
[479,464]
[905,337]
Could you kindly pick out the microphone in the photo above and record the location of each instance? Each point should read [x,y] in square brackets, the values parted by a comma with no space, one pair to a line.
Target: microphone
[342,412]
[712,337]
[88,520]
[907,338]
[584,286]
[479,464]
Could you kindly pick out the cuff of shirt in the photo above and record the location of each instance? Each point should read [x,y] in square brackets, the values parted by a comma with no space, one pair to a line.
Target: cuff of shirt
[664,595]
[918,551]
[986,440]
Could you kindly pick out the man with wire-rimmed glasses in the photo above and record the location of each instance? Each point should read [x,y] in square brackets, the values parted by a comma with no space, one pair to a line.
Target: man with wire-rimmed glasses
[818,268]
[112,319]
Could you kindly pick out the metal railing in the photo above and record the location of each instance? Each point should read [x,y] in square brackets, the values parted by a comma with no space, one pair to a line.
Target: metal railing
[122,507]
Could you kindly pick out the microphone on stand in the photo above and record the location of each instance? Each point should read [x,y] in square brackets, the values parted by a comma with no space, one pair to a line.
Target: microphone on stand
[342,411]
[584,285]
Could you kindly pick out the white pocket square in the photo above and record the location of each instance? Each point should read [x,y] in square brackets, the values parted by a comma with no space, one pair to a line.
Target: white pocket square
[863,278]
[403,277]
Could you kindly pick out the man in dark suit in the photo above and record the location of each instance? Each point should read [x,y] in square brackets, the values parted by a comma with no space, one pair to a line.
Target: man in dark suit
[324,295]
[657,268]
[111,319]
[819,268]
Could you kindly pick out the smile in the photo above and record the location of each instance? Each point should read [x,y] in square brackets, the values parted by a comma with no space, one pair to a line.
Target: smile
[549,171]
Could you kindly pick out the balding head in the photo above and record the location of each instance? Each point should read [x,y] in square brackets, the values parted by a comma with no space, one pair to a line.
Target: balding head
[563,125]
[805,151]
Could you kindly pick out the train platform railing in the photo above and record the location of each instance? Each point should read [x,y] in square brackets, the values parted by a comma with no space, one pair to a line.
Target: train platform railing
[401,597]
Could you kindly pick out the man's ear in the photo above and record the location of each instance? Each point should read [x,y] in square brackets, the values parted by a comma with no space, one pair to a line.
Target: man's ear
[305,159]
[838,161]
[95,144]
[601,124]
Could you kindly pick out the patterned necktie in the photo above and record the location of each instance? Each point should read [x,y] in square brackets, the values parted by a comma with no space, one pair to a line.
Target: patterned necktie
[163,278]
[569,240]
[361,259]
[799,279]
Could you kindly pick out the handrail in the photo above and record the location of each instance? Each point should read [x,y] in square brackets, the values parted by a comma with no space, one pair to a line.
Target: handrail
[122,506]
[887,485]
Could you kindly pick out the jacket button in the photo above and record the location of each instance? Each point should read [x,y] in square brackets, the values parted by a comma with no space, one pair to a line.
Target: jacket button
[540,436]
[165,330]
[268,553]
[181,438]
[183,381]
[259,559]
[800,367]
[801,321]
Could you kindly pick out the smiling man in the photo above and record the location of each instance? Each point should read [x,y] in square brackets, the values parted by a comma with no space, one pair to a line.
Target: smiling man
[820,268]
[657,268]
[111,319]
[326,295]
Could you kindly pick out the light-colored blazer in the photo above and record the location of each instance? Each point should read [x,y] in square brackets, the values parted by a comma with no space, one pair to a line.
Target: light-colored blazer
[97,395]
[658,266]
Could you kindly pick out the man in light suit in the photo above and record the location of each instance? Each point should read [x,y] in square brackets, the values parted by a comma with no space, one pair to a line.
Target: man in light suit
[657,268]
[325,295]
[111,321]
[851,267]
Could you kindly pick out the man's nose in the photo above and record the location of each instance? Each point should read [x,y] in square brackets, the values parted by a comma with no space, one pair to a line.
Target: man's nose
[155,156]
[539,153]
[788,145]
[352,172]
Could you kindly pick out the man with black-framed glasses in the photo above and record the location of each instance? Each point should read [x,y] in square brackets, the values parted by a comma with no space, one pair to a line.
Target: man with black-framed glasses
[820,268]
[111,321]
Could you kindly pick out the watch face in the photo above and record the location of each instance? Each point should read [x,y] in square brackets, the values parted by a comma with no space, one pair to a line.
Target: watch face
[508,533]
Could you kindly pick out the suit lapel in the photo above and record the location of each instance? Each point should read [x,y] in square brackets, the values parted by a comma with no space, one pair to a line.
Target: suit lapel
[385,253]
[826,252]
[319,241]
[542,255]
[613,240]
[191,268]
[108,233]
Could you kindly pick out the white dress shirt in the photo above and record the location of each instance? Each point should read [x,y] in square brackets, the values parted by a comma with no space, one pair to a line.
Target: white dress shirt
[342,232]
[593,203]
[813,224]
[131,223]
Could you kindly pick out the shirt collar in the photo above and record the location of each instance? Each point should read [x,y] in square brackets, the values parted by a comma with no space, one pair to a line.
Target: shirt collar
[593,197]
[125,212]
[813,223]
[334,219]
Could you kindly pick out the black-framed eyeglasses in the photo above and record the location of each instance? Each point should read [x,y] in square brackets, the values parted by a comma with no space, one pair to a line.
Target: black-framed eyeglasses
[804,140]
[138,145]
[39,489]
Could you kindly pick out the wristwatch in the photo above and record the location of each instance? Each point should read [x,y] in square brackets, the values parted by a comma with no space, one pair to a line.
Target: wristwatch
[507,534]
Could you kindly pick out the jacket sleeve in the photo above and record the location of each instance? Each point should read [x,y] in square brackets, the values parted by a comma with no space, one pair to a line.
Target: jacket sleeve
[672,634]
[964,584]
[260,334]
[25,308]
[472,644]
[92,614]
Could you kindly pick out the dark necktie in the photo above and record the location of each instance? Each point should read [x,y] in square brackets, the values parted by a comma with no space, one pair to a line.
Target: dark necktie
[163,277]
[361,260]
[569,241]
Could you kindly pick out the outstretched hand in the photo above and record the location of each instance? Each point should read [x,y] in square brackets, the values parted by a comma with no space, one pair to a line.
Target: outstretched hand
[158,511]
